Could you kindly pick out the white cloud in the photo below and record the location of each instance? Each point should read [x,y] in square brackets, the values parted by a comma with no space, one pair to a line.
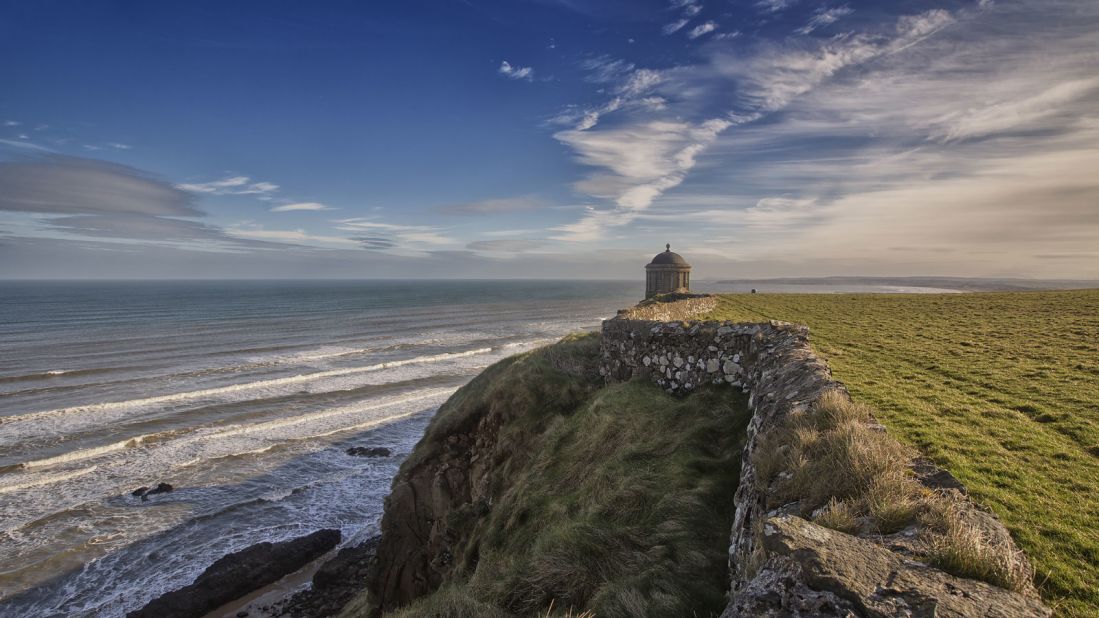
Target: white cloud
[640,158]
[774,6]
[300,237]
[233,185]
[515,72]
[1013,112]
[119,146]
[824,17]
[702,29]
[300,206]
[413,237]
[495,206]
[675,26]
[11,123]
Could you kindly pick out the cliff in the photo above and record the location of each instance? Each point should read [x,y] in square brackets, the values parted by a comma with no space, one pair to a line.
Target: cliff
[537,485]
[626,475]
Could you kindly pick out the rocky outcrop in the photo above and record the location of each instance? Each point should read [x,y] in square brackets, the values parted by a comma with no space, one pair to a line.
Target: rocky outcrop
[239,573]
[814,571]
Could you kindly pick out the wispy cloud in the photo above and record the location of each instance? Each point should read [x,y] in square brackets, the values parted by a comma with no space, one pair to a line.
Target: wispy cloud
[675,26]
[11,123]
[300,206]
[232,185]
[774,6]
[642,158]
[515,72]
[495,206]
[73,185]
[824,17]
[409,237]
[702,29]
[298,237]
[505,245]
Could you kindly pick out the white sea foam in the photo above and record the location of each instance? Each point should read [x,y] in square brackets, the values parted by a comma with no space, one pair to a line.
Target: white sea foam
[45,479]
[233,388]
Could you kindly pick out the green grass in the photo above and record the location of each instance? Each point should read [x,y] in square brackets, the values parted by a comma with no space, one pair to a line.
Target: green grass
[612,499]
[1001,389]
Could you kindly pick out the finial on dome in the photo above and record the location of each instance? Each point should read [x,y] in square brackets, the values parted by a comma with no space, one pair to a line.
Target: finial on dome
[668,247]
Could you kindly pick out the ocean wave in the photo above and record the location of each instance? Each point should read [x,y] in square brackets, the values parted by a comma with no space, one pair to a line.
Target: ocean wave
[210,392]
[205,436]
[56,373]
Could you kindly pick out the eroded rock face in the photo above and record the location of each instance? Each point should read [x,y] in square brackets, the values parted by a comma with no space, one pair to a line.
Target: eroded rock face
[814,571]
[418,545]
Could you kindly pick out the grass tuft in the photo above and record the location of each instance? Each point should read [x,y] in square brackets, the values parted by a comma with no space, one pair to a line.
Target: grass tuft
[838,515]
[961,548]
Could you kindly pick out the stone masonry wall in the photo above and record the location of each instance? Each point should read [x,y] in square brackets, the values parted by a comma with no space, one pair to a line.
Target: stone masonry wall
[775,364]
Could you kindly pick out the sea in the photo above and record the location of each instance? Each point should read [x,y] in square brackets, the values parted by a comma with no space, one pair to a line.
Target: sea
[245,397]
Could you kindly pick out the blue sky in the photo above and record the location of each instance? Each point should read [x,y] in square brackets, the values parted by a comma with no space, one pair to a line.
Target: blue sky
[542,138]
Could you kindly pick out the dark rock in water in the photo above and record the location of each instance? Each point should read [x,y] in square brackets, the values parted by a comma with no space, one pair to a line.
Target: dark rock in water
[239,573]
[369,451]
[145,492]
[334,584]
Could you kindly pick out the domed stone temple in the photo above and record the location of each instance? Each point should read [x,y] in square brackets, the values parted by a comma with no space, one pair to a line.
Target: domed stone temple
[668,273]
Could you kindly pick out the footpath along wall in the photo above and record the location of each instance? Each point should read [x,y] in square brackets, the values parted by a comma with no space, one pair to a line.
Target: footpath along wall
[782,564]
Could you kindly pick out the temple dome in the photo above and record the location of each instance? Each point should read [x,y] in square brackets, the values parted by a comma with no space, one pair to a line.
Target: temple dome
[669,257]
[668,273]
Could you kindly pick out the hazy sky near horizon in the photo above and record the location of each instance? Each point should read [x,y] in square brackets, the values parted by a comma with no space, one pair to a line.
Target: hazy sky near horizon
[541,138]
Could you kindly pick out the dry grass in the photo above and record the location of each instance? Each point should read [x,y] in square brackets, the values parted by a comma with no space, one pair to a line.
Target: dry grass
[959,547]
[836,463]
[833,452]
[838,515]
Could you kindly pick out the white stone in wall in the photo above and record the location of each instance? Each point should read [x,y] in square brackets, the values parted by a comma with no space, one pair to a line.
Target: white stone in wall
[678,362]
[647,361]
[712,365]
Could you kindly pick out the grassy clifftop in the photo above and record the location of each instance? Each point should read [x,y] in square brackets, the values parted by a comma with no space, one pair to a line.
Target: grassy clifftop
[614,499]
[1000,389]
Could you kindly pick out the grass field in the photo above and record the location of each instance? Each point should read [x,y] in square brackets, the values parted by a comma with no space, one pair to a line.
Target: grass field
[1002,389]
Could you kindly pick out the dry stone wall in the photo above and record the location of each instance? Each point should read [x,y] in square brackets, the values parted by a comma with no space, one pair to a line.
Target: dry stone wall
[779,564]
